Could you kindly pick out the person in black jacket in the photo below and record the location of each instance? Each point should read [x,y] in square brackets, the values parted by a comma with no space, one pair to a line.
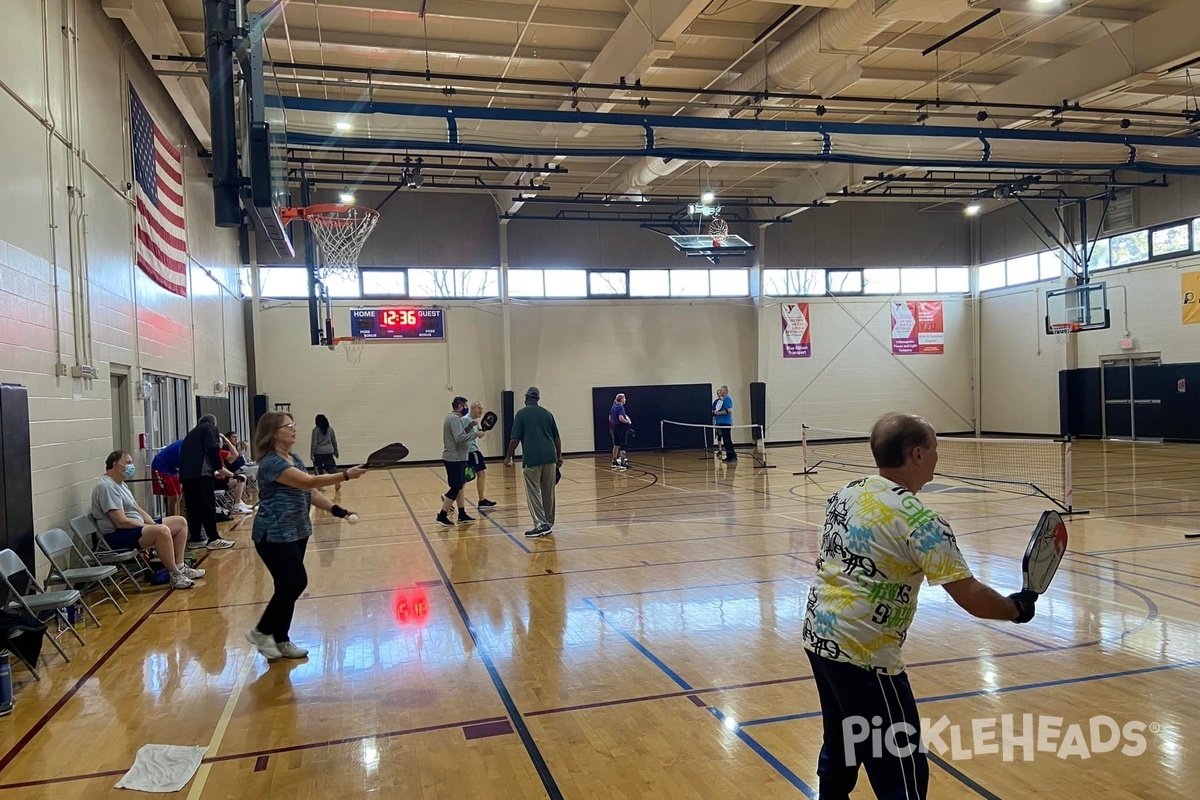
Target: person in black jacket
[200,465]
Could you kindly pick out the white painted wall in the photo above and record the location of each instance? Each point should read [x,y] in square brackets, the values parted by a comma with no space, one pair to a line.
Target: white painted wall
[852,377]
[130,320]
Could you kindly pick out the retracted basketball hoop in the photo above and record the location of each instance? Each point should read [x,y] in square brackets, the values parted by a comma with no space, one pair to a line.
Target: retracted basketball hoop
[340,232]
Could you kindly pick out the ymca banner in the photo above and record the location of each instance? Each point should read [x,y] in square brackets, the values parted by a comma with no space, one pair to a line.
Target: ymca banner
[1191,297]
[918,327]
[796,331]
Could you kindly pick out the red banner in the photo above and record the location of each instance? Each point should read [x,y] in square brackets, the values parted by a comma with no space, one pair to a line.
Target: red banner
[918,327]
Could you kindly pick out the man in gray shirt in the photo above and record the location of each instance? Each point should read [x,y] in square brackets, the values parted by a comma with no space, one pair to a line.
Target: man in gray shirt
[456,441]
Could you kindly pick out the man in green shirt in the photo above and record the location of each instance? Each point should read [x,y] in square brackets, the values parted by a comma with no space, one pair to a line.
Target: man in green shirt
[536,431]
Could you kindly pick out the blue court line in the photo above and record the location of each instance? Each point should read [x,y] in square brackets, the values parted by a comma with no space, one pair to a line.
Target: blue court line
[502,529]
[655,660]
[945,765]
[1128,571]
[518,722]
[765,755]
[1143,567]
[1147,549]
[1000,690]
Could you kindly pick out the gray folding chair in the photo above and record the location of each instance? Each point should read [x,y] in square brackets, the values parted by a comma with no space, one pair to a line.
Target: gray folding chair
[37,601]
[98,552]
[67,566]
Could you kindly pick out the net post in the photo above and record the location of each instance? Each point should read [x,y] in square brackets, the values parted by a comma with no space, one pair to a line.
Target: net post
[1068,481]
[662,436]
[804,453]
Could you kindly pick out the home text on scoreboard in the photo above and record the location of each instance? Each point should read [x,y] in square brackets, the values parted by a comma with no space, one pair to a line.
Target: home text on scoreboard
[398,323]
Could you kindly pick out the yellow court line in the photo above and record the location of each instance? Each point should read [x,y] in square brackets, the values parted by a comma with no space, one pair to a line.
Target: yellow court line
[222,725]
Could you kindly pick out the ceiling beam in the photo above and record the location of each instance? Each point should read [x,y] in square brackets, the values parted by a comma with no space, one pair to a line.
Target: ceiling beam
[920,42]
[1095,12]
[477,11]
[151,26]
[929,76]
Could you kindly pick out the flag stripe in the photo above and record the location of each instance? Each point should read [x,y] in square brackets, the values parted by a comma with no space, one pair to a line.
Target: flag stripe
[161,239]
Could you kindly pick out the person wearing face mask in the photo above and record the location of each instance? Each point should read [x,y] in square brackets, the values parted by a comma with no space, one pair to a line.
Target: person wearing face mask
[476,461]
[457,434]
[123,523]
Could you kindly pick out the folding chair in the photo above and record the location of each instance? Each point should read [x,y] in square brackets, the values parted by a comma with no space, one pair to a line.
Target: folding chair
[98,552]
[38,601]
[63,558]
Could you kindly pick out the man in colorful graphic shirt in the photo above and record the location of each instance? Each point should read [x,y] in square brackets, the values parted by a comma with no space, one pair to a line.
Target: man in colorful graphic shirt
[878,543]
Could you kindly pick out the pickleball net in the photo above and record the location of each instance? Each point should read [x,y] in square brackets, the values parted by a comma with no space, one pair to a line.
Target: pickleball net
[707,438]
[1025,466]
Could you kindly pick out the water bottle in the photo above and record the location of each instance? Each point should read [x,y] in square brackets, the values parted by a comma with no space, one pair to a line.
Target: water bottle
[6,688]
[79,620]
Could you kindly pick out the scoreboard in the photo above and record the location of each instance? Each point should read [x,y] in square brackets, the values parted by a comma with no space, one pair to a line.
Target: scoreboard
[398,323]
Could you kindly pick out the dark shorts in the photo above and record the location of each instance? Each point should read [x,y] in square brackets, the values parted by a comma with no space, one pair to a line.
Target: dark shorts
[454,478]
[166,485]
[223,484]
[476,461]
[127,538]
[619,433]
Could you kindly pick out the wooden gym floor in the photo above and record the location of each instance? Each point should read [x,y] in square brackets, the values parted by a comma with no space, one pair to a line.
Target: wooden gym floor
[650,648]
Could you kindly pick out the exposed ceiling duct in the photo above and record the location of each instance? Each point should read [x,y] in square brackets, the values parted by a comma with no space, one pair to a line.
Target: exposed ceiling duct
[819,45]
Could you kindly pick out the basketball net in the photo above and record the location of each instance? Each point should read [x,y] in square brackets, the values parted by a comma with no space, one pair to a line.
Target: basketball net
[340,232]
[718,229]
[1063,331]
[352,347]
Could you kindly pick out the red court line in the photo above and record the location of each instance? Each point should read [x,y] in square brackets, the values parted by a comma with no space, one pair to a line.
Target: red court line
[261,756]
[305,597]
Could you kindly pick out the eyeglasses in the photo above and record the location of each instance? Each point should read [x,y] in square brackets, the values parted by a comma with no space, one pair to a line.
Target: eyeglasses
[290,425]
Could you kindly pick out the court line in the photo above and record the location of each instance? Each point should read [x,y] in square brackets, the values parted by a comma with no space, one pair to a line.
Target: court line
[510,706]
[201,777]
[962,777]
[437,584]
[608,569]
[680,682]
[764,754]
[16,749]
[259,754]
[1000,690]
[1137,566]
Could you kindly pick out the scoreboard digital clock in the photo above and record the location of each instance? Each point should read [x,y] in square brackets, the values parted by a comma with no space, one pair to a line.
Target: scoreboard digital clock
[398,323]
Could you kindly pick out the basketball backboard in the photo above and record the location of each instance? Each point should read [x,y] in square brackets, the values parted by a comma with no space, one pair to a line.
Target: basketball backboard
[705,245]
[1085,306]
[263,140]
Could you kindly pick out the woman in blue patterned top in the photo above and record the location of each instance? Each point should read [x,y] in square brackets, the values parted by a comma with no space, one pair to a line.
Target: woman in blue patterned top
[282,527]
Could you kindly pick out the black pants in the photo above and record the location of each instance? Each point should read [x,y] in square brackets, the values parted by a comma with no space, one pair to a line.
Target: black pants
[454,478]
[200,500]
[285,562]
[726,434]
[324,463]
[850,697]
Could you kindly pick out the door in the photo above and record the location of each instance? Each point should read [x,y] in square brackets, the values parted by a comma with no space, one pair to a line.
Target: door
[1131,396]
[122,416]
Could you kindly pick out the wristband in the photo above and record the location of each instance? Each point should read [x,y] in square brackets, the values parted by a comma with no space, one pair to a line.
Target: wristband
[345,474]
[339,512]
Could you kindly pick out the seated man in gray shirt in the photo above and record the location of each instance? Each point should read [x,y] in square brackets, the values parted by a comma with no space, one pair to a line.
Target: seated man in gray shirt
[127,526]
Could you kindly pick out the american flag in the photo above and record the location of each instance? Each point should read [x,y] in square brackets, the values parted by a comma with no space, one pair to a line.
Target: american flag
[158,180]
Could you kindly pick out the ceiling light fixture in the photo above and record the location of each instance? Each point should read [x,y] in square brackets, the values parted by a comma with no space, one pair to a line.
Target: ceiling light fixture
[972,209]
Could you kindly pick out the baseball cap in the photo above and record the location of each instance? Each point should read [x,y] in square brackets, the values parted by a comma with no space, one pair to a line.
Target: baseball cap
[533,392]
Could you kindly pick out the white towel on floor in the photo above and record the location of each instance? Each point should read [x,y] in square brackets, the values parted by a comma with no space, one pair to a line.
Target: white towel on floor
[162,768]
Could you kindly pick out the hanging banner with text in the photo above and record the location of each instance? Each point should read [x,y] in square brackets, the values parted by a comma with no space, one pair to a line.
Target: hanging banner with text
[796,331]
[1191,297]
[918,328]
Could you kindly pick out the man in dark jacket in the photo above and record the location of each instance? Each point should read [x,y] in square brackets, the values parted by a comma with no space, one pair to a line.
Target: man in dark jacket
[200,465]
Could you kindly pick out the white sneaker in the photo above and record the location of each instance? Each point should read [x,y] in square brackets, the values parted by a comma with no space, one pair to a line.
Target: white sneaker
[219,544]
[265,643]
[242,508]
[181,581]
[291,650]
[191,572]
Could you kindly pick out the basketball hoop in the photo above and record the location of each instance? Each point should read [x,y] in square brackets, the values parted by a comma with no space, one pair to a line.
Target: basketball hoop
[353,348]
[340,231]
[1062,331]
[718,229]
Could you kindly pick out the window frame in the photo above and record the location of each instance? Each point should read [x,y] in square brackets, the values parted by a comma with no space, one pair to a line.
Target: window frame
[602,296]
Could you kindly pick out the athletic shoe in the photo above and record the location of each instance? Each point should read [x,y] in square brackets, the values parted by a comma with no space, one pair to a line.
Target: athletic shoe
[538,530]
[547,529]
[242,508]
[465,517]
[291,650]
[486,504]
[219,544]
[444,520]
[265,643]
[193,574]
[196,544]
[181,581]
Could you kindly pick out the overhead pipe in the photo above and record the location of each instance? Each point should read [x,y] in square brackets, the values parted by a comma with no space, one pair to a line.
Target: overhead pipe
[218,53]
